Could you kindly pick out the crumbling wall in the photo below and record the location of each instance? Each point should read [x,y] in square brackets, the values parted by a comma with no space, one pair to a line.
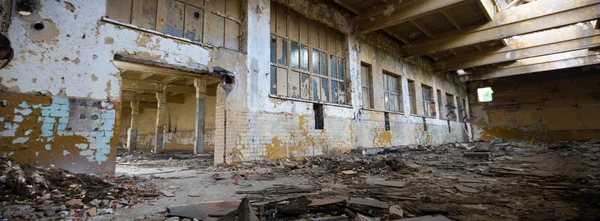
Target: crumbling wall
[550,106]
[64,52]
[262,126]
[405,127]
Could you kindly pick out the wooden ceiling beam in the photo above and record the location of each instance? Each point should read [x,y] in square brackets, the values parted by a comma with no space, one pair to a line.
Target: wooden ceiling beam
[516,21]
[397,12]
[489,8]
[571,38]
[452,20]
[422,27]
[540,65]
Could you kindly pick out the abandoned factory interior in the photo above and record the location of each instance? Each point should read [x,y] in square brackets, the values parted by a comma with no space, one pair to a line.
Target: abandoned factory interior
[317,110]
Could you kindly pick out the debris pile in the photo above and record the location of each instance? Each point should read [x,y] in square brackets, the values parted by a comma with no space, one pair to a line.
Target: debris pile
[29,192]
[468,181]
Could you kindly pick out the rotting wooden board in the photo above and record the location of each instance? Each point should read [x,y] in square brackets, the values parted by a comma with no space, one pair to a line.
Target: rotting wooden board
[327,201]
[369,202]
[397,184]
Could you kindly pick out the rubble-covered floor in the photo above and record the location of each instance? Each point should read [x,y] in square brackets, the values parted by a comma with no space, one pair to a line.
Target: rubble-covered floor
[472,181]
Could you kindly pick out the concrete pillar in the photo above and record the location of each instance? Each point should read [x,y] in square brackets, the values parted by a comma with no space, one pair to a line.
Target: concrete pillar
[132,135]
[161,116]
[200,84]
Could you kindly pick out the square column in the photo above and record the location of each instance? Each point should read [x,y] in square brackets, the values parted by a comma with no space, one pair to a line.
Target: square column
[200,84]
[132,135]
[161,116]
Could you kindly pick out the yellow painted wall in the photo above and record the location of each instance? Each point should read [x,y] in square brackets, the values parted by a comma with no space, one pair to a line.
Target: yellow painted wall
[181,122]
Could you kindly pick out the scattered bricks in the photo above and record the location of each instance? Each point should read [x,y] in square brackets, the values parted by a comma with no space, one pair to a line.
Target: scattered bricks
[74,203]
[480,155]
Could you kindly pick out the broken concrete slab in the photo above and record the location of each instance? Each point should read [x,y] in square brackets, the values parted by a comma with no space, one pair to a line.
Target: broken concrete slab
[202,211]
[369,202]
[327,201]
[465,189]
[397,184]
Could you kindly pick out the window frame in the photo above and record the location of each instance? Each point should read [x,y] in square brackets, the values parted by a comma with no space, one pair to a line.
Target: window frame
[412,96]
[387,92]
[428,105]
[451,115]
[337,95]
[207,10]
[368,86]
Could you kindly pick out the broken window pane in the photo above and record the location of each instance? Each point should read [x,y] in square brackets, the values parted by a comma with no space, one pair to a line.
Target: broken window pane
[305,86]
[333,65]
[342,93]
[294,84]
[273,80]
[295,55]
[334,91]
[315,61]
[273,49]
[484,94]
[282,51]
[282,78]
[323,63]
[340,69]
[304,58]
[324,89]
[316,85]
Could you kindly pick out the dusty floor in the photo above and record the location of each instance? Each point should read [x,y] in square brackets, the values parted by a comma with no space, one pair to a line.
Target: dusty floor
[479,181]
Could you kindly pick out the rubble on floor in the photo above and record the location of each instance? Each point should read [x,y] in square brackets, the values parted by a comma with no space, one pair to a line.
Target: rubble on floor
[514,181]
[31,193]
[526,180]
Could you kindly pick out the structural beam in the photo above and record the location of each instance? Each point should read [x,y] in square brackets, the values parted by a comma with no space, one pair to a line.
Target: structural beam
[516,21]
[145,86]
[540,64]
[422,27]
[488,8]
[200,85]
[161,116]
[572,38]
[149,66]
[132,135]
[397,12]
[130,97]
[452,19]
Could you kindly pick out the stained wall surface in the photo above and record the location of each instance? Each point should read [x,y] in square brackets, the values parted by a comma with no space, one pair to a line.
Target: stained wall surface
[549,106]
[181,125]
[60,96]
[270,126]
[61,104]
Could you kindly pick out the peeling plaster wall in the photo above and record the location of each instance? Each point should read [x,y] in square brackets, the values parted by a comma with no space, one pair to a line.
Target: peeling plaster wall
[549,106]
[263,127]
[71,58]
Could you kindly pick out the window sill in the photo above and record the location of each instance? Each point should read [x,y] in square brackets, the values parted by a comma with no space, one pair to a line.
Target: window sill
[384,111]
[308,101]
[115,22]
